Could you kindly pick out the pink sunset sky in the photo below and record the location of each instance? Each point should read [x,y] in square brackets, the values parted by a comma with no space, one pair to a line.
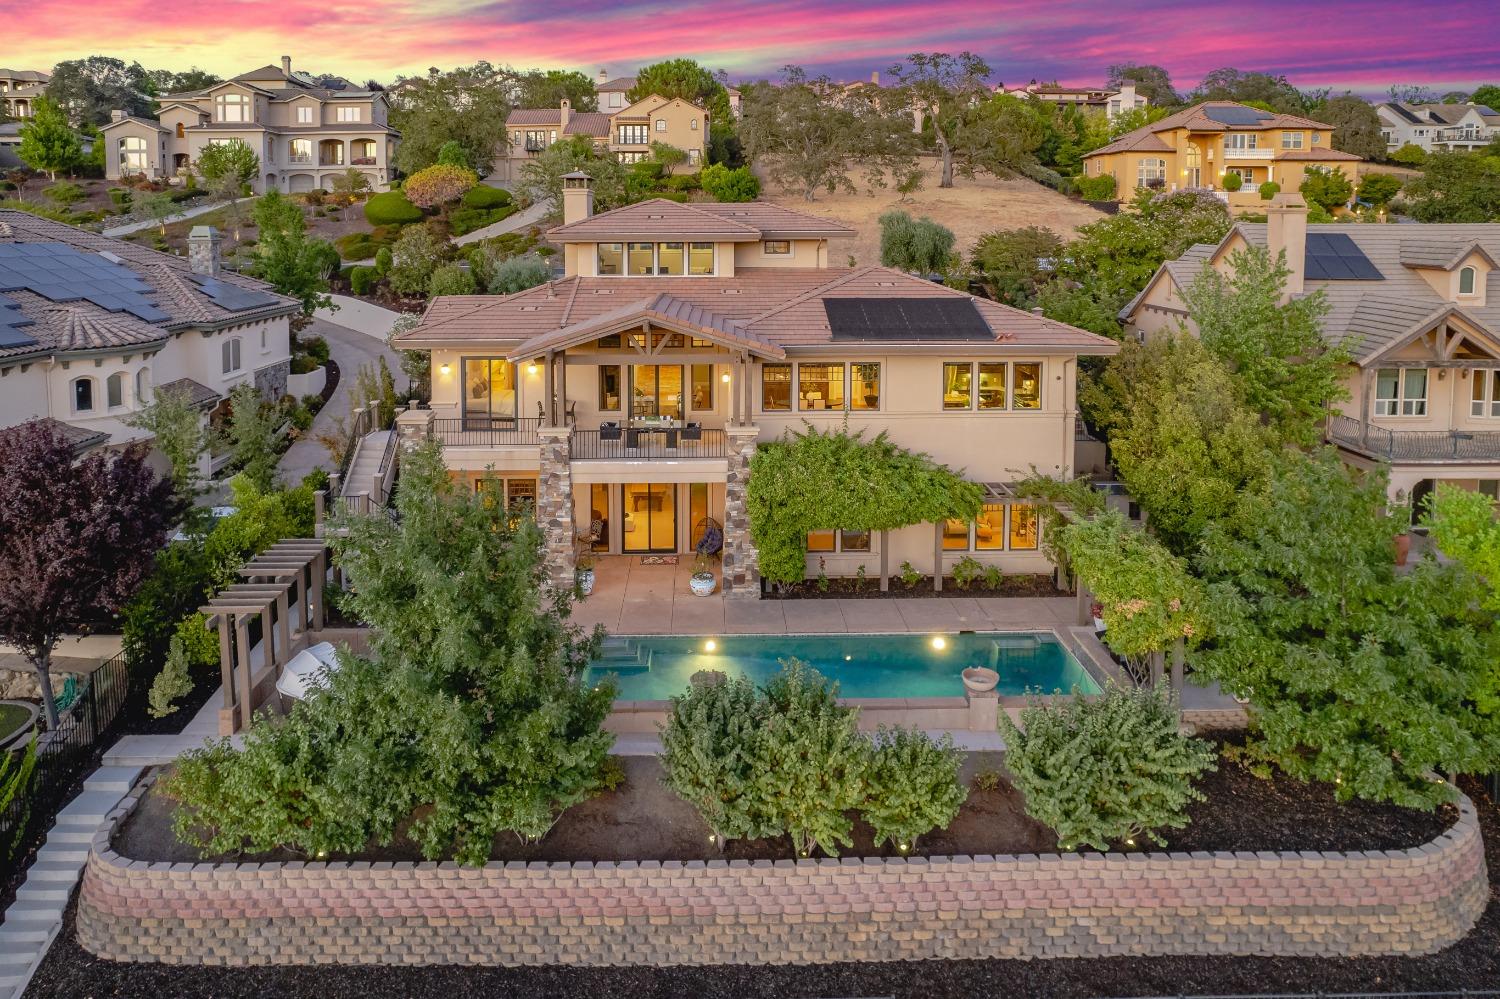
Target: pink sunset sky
[1363,45]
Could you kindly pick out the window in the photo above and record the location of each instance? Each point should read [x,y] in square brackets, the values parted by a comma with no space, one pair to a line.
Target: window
[864,385]
[820,387]
[1291,140]
[142,386]
[83,395]
[609,388]
[181,131]
[671,259]
[992,384]
[703,386]
[989,529]
[641,259]
[489,391]
[955,535]
[1151,171]
[1466,281]
[132,155]
[230,353]
[347,114]
[822,541]
[661,124]
[610,258]
[1023,528]
[693,155]
[304,115]
[693,124]
[1000,527]
[776,388]
[1401,391]
[300,151]
[1027,391]
[232,107]
[536,140]
[629,157]
[1246,175]
[633,135]
[838,541]
[1485,398]
[777,247]
[1317,138]
[958,385]
[1241,140]
[114,390]
[700,258]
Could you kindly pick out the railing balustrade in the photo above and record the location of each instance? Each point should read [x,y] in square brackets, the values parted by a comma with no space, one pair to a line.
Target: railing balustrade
[1414,445]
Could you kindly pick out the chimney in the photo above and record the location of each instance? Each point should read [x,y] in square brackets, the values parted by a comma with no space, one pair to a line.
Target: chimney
[1286,231]
[564,112]
[203,250]
[603,76]
[286,65]
[875,77]
[117,115]
[578,197]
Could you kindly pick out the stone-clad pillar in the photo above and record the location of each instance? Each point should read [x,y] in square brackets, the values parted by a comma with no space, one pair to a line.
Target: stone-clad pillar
[741,571]
[554,503]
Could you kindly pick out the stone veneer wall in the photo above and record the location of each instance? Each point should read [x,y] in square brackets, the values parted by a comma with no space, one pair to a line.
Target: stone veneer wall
[1072,905]
[271,381]
[741,563]
[554,503]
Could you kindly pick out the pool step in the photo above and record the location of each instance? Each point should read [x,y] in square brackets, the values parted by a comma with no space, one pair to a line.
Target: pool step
[623,656]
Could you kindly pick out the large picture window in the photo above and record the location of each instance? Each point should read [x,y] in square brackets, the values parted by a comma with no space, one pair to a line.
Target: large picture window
[641,259]
[1000,527]
[609,388]
[611,258]
[958,385]
[820,387]
[489,392]
[671,259]
[703,386]
[1401,392]
[864,385]
[634,135]
[1026,393]
[776,388]
[132,154]
[701,258]
[232,107]
[992,393]
[992,384]
[1152,171]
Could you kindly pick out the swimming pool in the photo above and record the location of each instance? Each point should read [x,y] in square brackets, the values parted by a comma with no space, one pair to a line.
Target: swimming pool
[655,667]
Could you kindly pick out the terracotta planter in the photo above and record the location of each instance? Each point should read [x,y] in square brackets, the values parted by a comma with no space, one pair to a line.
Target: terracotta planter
[1403,548]
[979,680]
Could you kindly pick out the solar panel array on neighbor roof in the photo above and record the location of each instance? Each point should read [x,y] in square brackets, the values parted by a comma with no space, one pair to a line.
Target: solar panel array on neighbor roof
[231,296]
[1235,116]
[897,319]
[61,273]
[11,319]
[1333,256]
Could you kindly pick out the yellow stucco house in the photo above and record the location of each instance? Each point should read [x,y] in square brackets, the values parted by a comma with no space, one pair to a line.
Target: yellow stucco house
[1202,145]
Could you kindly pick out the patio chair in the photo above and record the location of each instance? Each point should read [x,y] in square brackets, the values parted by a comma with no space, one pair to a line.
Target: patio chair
[710,537]
[692,432]
[609,431]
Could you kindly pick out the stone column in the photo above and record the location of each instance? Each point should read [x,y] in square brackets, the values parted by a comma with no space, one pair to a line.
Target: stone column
[413,426]
[554,502]
[741,571]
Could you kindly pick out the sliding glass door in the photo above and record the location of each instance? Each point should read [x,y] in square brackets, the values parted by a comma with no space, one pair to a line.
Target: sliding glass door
[650,517]
[656,391]
[489,393]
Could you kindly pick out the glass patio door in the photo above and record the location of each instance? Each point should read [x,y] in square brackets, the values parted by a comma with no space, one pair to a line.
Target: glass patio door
[650,512]
[656,391]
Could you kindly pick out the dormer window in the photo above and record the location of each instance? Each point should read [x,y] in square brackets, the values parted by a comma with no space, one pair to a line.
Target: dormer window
[668,259]
[304,114]
[232,107]
[1466,281]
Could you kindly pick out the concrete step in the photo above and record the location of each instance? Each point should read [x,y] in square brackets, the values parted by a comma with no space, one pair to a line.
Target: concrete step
[71,836]
[11,983]
[55,871]
[16,938]
[88,807]
[15,962]
[44,891]
[108,778]
[63,853]
[31,912]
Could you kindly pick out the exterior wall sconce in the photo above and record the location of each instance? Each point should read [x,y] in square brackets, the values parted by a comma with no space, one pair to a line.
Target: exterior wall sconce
[445,367]
[724,378]
[531,368]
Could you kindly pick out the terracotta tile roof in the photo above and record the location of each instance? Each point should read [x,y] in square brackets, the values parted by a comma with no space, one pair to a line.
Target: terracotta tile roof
[81,438]
[83,328]
[619,83]
[198,394]
[780,306]
[1321,155]
[775,221]
[663,308]
[1198,119]
[657,218]
[534,116]
[590,123]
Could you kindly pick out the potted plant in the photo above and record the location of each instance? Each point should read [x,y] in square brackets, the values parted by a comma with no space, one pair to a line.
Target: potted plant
[584,571]
[1096,610]
[1403,540]
[702,580]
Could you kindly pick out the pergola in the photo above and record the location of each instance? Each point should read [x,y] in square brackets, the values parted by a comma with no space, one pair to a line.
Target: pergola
[284,588]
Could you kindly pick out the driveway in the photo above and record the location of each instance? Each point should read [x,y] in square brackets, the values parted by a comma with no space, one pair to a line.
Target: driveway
[524,219]
[349,349]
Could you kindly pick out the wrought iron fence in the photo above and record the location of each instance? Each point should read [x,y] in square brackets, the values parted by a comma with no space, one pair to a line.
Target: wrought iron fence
[491,433]
[1414,445]
[63,755]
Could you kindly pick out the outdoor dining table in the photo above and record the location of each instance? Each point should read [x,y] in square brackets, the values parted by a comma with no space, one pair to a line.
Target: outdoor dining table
[670,428]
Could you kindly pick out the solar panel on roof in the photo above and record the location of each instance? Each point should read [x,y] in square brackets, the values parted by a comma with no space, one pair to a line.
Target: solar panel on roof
[11,321]
[231,296]
[895,319]
[1235,116]
[62,273]
[1333,256]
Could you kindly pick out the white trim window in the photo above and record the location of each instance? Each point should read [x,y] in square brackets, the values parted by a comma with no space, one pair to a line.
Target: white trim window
[661,124]
[232,107]
[133,154]
[1241,140]
[304,114]
[1484,398]
[83,395]
[1292,140]
[1148,170]
[1401,392]
[230,355]
[991,386]
[776,248]
[348,114]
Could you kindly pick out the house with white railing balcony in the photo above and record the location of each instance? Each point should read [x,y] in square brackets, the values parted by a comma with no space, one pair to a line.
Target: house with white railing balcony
[1437,127]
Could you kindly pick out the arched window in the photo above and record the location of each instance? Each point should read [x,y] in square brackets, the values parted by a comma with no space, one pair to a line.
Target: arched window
[181,131]
[1466,281]
[231,353]
[83,395]
[1151,173]
[114,390]
[132,154]
[143,386]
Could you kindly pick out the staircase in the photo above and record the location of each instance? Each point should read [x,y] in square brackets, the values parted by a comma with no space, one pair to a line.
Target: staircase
[624,656]
[368,455]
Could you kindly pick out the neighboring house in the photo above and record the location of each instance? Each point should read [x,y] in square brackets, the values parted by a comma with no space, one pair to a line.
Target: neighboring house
[1201,145]
[305,134]
[1437,127]
[1112,102]
[91,327]
[10,143]
[682,335]
[19,88]
[612,93]
[1418,307]
[627,133]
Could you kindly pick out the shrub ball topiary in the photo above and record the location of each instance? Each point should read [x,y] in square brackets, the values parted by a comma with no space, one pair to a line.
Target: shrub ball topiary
[1269,190]
[1233,182]
[484,196]
[391,208]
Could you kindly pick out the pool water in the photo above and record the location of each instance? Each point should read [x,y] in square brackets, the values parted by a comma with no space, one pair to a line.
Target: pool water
[656,667]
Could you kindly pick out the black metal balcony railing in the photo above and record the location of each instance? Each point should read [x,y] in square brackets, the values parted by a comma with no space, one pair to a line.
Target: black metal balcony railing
[1414,445]
[629,443]
[487,433]
[535,145]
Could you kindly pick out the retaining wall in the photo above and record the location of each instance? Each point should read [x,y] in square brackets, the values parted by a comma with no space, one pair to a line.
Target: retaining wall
[1071,905]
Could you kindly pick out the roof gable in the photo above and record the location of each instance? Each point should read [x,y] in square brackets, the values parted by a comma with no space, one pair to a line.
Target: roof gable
[656,218]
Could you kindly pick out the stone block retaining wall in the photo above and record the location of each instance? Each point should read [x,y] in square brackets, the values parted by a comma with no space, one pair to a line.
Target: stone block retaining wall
[1076,905]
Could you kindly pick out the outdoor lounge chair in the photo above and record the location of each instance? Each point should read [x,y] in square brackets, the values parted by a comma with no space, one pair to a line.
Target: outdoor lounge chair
[692,432]
[710,537]
[609,431]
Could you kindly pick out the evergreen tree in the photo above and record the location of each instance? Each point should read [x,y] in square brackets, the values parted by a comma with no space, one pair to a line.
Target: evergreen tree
[48,142]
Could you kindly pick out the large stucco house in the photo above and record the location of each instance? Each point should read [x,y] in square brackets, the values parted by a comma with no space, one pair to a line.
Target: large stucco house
[627,133]
[625,399]
[1437,127]
[1202,145]
[304,134]
[1417,307]
[92,327]
[19,88]
[1113,101]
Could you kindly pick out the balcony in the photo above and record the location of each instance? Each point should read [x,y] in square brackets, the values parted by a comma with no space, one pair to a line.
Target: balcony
[535,145]
[631,444]
[491,433]
[363,161]
[300,158]
[1414,446]
[1249,154]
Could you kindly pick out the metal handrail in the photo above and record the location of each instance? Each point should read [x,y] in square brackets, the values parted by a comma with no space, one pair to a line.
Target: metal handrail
[520,432]
[636,442]
[1414,445]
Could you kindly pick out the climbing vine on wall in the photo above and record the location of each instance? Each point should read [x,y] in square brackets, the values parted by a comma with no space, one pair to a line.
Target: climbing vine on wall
[817,480]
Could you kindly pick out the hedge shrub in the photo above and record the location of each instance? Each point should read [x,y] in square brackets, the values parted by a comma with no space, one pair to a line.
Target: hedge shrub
[467,220]
[1269,190]
[391,208]
[484,196]
[450,279]
[362,279]
[725,184]
[1233,182]
[1100,188]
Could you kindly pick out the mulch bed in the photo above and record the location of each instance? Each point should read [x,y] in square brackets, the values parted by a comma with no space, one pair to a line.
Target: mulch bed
[1472,963]
[643,820]
[849,588]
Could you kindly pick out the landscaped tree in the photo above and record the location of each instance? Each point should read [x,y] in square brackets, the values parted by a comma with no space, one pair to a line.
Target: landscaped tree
[179,431]
[1379,188]
[48,142]
[917,246]
[1463,525]
[438,185]
[452,154]
[228,167]
[1455,187]
[89,89]
[467,105]
[252,436]
[417,253]
[686,79]
[76,538]
[1356,126]
[1356,676]
[541,176]
[1013,264]
[548,88]
[709,756]
[945,88]
[800,484]
[1410,154]
[349,186]
[1326,187]
[725,184]
[1106,771]
[1152,82]
[911,786]
[1275,347]
[285,258]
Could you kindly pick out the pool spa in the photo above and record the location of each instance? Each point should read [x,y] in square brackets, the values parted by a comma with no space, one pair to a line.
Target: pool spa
[656,667]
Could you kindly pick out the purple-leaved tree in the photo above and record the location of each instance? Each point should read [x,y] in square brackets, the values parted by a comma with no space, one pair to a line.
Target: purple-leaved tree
[76,538]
